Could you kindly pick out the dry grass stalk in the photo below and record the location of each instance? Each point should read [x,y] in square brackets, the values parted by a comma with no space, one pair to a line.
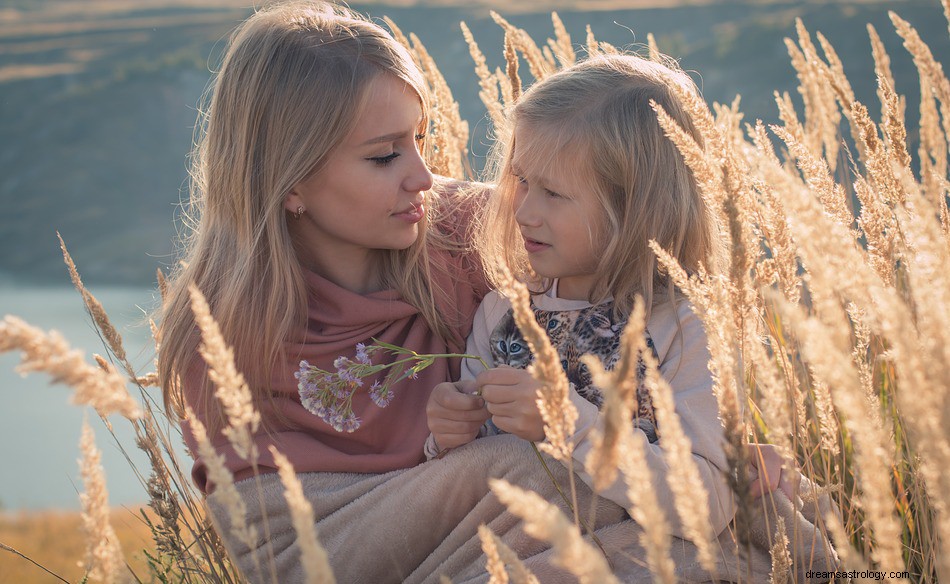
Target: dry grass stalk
[882,63]
[104,561]
[497,574]
[487,81]
[619,388]
[562,46]
[501,556]
[781,557]
[646,510]
[544,521]
[522,41]
[162,283]
[232,390]
[593,47]
[923,57]
[554,403]
[830,124]
[104,390]
[654,49]
[316,563]
[223,482]
[511,66]
[823,346]
[933,144]
[692,500]
[448,153]
[95,309]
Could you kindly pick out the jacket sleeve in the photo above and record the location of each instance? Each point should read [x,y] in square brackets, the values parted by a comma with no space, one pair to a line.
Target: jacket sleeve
[684,359]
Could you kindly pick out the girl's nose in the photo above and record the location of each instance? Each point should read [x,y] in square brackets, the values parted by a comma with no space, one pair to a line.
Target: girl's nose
[526,212]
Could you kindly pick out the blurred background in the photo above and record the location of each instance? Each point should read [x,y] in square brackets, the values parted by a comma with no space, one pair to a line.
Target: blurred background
[98,102]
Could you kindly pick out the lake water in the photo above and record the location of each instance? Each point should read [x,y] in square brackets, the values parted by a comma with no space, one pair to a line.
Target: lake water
[40,427]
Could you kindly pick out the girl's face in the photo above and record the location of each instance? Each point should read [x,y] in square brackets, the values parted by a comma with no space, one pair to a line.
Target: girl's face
[558,214]
[370,194]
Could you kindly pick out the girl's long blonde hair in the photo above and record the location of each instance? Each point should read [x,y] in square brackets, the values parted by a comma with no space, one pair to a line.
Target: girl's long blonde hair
[595,117]
[289,90]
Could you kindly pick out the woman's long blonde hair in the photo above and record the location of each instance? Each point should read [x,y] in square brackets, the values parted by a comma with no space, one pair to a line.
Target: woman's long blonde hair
[595,117]
[289,90]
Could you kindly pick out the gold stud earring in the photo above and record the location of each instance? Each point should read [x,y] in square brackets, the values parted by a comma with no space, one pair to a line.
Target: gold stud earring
[299,212]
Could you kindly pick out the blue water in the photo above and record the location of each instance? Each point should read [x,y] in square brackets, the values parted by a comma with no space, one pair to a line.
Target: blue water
[40,428]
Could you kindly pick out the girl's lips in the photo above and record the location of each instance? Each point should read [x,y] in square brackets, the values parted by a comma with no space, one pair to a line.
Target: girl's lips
[532,246]
[413,215]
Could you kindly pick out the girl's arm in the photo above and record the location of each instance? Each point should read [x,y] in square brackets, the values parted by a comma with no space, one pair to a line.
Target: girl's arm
[684,363]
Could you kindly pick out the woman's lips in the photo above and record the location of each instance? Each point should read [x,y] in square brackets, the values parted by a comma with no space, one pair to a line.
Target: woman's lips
[532,246]
[413,215]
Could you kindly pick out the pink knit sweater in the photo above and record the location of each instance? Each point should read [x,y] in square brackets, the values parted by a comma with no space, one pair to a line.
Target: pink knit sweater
[388,438]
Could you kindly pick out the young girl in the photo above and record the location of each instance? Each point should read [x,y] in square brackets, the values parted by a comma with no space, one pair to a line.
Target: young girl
[588,179]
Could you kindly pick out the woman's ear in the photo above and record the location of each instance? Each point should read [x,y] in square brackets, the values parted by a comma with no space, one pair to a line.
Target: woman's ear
[293,202]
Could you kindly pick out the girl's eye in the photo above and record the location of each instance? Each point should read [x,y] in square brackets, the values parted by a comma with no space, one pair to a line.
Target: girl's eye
[521,179]
[552,194]
[384,160]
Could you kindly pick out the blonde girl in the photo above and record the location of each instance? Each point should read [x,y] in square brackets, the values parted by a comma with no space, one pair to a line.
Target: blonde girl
[585,181]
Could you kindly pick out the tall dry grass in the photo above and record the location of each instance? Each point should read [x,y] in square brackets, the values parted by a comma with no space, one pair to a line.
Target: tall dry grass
[829,328]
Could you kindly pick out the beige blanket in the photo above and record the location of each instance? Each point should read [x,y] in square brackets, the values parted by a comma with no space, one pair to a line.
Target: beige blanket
[418,524]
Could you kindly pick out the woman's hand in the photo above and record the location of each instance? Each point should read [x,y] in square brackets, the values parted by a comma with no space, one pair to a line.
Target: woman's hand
[511,396]
[454,414]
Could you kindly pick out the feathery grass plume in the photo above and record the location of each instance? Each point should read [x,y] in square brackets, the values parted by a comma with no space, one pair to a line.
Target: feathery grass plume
[654,49]
[449,152]
[781,558]
[593,47]
[507,93]
[109,333]
[511,64]
[892,126]
[162,283]
[878,225]
[711,297]
[827,418]
[933,144]
[770,217]
[487,82]
[772,397]
[523,42]
[499,556]
[825,348]
[805,61]
[882,62]
[923,57]
[619,388]
[103,389]
[646,510]
[544,521]
[493,562]
[316,563]
[819,178]
[104,560]
[554,403]
[829,126]
[161,498]
[562,46]
[232,390]
[223,482]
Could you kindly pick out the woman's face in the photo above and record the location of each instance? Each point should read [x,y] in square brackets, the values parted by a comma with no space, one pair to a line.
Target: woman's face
[370,194]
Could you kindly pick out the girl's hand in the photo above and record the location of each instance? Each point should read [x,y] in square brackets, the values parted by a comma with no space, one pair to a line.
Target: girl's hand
[511,396]
[768,465]
[454,414]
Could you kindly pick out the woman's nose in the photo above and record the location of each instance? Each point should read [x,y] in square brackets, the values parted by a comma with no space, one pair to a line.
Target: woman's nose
[419,177]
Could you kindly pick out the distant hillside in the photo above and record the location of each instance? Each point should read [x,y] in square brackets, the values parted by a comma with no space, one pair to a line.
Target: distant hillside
[97,105]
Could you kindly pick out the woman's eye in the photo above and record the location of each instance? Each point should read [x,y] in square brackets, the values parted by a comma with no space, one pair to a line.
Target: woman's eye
[384,160]
[552,194]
